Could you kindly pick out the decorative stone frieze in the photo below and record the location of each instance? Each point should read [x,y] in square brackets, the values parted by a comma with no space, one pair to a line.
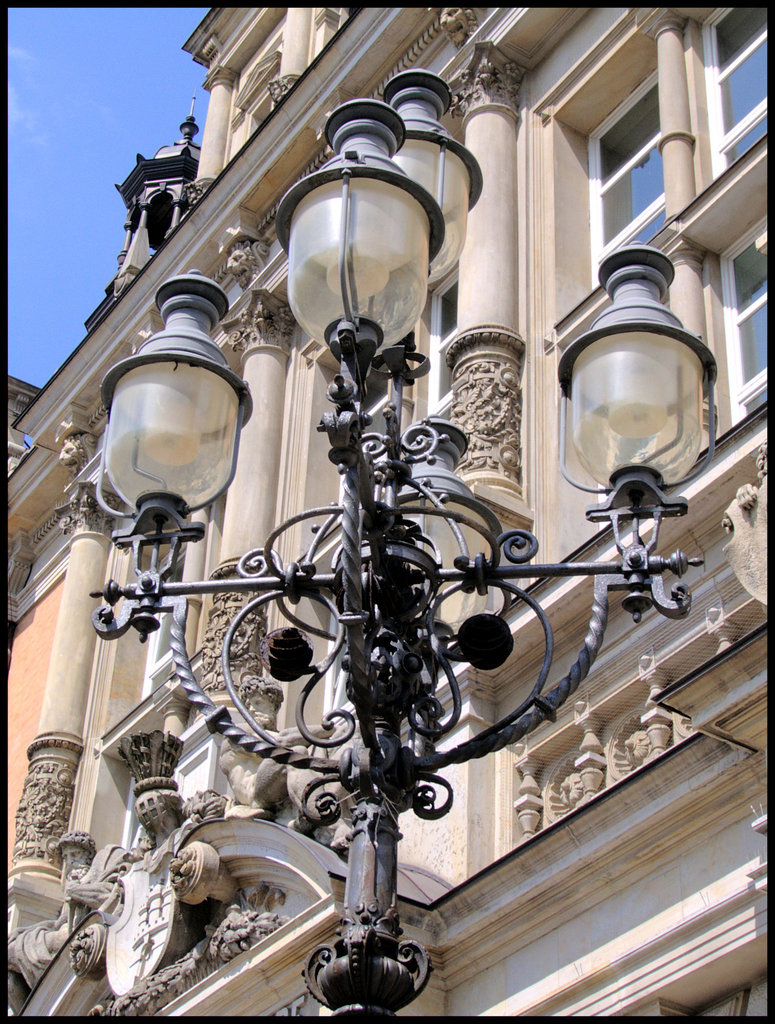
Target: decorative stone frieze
[263,321]
[83,513]
[458,23]
[486,365]
[43,814]
[490,80]
[745,520]
[245,659]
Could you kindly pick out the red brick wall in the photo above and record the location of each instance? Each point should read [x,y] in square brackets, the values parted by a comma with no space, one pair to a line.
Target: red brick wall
[26,684]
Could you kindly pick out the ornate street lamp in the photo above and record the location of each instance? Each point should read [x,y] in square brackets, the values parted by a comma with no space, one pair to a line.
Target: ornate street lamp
[418,556]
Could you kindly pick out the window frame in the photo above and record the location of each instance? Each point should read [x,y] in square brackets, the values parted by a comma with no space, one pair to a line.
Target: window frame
[740,392]
[721,141]
[597,188]
[438,404]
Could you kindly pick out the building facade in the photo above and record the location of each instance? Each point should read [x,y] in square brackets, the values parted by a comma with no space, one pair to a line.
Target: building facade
[614,861]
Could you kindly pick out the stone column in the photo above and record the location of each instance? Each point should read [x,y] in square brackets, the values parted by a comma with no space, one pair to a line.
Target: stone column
[219,83]
[686,291]
[261,333]
[44,810]
[677,141]
[487,353]
[295,56]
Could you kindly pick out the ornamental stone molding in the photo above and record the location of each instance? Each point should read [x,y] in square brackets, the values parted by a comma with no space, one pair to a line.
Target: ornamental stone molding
[745,520]
[264,321]
[490,80]
[87,951]
[458,23]
[486,365]
[21,555]
[43,814]
[82,513]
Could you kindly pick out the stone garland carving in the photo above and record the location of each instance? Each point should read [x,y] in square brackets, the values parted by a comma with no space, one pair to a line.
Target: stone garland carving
[487,401]
[745,520]
[458,23]
[488,81]
[43,813]
[240,929]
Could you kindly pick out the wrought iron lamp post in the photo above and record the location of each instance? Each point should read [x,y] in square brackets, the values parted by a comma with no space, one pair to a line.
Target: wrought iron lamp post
[417,553]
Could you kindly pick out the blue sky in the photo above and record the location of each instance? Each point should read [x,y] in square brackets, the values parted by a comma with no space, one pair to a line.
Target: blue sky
[89,88]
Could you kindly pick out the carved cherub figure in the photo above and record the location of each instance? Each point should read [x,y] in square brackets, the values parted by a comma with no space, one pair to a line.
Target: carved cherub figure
[263,788]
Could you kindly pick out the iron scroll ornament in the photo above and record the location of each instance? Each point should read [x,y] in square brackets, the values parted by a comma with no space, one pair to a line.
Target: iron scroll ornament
[385,590]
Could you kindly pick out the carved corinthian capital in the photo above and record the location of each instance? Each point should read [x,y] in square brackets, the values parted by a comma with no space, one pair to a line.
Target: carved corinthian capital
[486,364]
[82,513]
[489,81]
[263,321]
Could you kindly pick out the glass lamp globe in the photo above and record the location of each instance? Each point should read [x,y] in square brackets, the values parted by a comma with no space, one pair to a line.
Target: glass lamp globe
[176,407]
[636,379]
[359,233]
[434,159]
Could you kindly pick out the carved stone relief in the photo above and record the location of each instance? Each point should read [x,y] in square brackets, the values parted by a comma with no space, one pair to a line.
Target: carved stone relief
[76,451]
[458,23]
[745,520]
[43,813]
[487,401]
[82,513]
[263,321]
[489,80]
[244,649]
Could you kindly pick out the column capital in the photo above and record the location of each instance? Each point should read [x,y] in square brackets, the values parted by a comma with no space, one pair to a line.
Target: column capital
[687,251]
[83,513]
[662,19]
[264,322]
[219,75]
[490,81]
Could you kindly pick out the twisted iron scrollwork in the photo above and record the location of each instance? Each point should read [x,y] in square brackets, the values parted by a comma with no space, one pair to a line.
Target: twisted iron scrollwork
[386,593]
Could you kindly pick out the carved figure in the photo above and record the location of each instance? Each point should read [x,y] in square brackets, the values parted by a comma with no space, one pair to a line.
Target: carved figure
[745,520]
[262,788]
[458,23]
[91,883]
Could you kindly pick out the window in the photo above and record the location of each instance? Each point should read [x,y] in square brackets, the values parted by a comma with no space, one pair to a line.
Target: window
[443,328]
[744,277]
[158,665]
[736,49]
[626,184]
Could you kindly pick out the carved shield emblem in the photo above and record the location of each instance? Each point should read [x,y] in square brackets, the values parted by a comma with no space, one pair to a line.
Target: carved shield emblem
[148,933]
